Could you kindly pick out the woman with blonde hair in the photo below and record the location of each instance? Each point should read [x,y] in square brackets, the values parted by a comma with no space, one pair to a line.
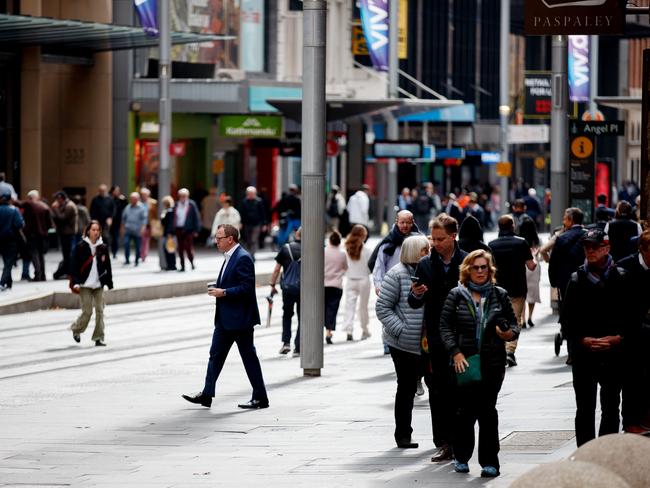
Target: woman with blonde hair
[402,332]
[476,321]
[358,281]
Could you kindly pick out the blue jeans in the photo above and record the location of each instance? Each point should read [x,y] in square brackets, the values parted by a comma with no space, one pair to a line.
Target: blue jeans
[285,233]
[127,247]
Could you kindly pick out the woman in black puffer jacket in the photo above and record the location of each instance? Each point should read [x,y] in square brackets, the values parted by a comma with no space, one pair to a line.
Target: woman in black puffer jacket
[477,318]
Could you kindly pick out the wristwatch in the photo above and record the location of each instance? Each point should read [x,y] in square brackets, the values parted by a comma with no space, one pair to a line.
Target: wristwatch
[224,292]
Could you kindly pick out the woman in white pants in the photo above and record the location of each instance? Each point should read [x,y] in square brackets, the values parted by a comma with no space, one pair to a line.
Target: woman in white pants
[358,281]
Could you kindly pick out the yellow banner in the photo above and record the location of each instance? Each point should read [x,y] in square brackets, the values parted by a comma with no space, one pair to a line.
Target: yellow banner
[402,34]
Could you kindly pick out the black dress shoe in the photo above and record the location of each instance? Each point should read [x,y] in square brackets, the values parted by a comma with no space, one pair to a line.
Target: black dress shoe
[407,444]
[199,399]
[254,404]
[76,337]
[445,453]
[100,343]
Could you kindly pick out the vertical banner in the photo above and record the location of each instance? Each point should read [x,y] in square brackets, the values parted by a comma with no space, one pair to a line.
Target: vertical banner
[579,72]
[148,15]
[374,20]
[252,35]
[402,30]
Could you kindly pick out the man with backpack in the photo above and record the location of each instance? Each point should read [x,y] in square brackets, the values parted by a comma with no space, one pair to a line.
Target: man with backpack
[288,261]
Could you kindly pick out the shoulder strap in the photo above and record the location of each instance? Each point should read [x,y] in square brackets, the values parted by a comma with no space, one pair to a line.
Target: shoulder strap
[289,249]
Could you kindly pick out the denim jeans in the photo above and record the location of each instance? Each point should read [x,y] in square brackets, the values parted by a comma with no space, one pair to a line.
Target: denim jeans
[127,247]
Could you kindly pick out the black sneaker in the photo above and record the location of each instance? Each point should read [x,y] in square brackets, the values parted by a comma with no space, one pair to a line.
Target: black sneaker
[76,337]
[511,361]
[100,343]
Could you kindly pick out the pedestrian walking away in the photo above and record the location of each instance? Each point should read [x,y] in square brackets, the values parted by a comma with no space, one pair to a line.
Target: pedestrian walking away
[253,219]
[476,320]
[357,287]
[596,330]
[235,317]
[528,232]
[153,227]
[38,222]
[167,243]
[64,214]
[437,274]
[512,257]
[102,209]
[119,202]
[91,272]
[287,268]
[402,331]
[335,267]
[11,222]
[187,224]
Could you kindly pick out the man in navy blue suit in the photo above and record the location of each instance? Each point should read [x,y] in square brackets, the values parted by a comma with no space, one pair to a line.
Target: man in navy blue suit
[235,317]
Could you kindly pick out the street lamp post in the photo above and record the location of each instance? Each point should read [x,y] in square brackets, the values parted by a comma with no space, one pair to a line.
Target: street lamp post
[165,104]
[391,121]
[559,130]
[504,96]
[312,292]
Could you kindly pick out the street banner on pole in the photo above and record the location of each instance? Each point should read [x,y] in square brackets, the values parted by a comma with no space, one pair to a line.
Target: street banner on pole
[579,69]
[374,19]
[148,15]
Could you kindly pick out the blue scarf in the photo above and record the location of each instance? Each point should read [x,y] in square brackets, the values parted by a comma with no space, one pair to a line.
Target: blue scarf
[596,274]
[480,316]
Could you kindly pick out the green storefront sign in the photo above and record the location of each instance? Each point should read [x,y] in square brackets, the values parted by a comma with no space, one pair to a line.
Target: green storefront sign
[253,126]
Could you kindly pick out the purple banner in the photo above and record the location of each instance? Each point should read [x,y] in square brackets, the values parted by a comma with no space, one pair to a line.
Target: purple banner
[579,70]
[374,20]
[147,11]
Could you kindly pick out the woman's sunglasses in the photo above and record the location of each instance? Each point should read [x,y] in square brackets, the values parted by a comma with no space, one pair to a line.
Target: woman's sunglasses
[481,267]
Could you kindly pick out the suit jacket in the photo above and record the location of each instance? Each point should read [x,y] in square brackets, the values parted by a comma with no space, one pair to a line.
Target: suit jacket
[238,309]
[567,256]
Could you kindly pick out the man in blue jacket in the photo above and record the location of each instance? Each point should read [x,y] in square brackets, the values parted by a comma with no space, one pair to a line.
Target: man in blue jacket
[235,317]
[187,224]
[10,223]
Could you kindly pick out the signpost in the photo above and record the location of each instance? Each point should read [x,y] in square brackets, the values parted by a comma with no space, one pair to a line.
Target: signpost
[582,174]
[565,17]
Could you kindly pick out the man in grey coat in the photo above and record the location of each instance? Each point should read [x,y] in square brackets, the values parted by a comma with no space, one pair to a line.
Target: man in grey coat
[134,222]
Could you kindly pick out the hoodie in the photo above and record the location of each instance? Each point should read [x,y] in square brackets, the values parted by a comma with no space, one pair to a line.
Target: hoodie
[470,235]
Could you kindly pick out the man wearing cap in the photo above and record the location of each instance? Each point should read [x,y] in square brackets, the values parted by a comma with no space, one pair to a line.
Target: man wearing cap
[596,329]
[10,223]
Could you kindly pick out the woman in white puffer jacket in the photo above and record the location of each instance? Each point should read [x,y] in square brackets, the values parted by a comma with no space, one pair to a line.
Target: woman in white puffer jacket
[402,331]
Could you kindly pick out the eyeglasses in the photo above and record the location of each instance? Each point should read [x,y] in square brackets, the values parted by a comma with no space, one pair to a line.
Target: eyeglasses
[481,267]
[218,238]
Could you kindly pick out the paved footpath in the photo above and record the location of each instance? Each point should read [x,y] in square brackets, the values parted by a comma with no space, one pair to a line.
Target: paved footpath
[76,415]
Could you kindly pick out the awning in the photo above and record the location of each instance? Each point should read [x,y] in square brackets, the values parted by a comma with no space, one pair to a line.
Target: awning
[77,37]
[347,108]
[620,103]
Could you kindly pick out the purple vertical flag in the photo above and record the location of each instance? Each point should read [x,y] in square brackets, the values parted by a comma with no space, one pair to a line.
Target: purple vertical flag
[579,71]
[374,20]
[147,11]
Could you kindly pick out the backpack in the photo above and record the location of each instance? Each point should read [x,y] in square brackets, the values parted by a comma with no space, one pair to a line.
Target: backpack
[333,209]
[290,281]
[422,205]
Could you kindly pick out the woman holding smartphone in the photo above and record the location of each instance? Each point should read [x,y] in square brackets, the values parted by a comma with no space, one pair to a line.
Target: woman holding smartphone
[402,327]
[476,320]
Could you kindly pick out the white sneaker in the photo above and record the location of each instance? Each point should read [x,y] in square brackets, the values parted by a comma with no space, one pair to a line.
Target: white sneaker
[420,390]
[285,349]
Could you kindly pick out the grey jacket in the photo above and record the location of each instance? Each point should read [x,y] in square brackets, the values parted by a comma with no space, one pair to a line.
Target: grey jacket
[134,218]
[402,325]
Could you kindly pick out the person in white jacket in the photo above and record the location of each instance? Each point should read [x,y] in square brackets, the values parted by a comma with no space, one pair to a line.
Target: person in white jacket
[227,214]
[359,207]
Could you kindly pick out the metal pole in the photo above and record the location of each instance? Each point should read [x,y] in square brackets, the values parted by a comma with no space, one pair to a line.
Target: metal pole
[165,106]
[504,96]
[392,124]
[593,79]
[312,292]
[559,131]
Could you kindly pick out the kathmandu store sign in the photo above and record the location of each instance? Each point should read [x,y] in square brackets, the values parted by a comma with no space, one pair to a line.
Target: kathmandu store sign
[566,17]
[251,126]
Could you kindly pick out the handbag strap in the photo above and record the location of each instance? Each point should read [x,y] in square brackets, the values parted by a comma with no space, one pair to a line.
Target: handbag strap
[482,323]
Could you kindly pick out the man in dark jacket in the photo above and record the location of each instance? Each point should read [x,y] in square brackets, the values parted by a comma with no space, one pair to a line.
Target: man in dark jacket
[436,275]
[253,219]
[119,203]
[568,253]
[596,331]
[38,222]
[65,218]
[636,392]
[102,208]
[512,256]
[10,223]
[621,230]
[288,210]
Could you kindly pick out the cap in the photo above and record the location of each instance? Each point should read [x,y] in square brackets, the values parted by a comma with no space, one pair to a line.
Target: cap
[5,194]
[596,236]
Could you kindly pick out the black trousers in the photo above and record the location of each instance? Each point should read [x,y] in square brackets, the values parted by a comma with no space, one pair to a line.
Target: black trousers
[408,368]
[222,341]
[478,403]
[37,246]
[288,302]
[441,383]
[9,252]
[332,301]
[589,371]
[636,390]
[66,253]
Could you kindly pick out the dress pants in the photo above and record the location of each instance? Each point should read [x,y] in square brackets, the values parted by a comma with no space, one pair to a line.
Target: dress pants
[288,302]
[478,402]
[408,368]
[185,244]
[441,383]
[332,302]
[251,234]
[222,341]
[589,371]
[357,289]
[127,247]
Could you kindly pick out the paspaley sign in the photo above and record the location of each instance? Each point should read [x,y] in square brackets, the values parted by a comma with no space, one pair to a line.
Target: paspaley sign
[566,17]
[251,126]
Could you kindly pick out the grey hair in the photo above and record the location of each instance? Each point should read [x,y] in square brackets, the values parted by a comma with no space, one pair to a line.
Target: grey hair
[184,191]
[33,194]
[411,249]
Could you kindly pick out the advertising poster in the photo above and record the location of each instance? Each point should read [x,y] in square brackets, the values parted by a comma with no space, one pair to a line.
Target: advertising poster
[220,17]
[147,11]
[537,95]
[579,68]
[374,20]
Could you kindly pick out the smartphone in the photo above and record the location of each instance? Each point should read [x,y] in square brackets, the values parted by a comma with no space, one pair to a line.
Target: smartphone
[415,280]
